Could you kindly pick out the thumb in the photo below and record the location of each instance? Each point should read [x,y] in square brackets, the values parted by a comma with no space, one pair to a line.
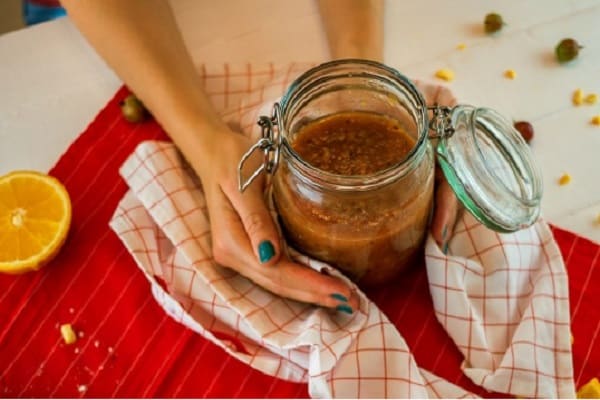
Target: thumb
[447,209]
[258,224]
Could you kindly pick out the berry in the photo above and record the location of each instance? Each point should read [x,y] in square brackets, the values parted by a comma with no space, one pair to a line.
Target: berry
[493,23]
[525,129]
[133,109]
[567,50]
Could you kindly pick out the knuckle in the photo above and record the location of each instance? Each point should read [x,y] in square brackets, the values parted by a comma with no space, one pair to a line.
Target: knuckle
[254,223]
[221,252]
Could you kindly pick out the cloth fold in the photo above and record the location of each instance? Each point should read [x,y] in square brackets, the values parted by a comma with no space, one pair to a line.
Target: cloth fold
[502,298]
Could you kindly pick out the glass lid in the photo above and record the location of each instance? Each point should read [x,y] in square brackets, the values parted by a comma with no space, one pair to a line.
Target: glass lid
[490,168]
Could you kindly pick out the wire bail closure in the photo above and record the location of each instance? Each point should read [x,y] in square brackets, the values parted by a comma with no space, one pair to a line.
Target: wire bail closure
[269,144]
[440,126]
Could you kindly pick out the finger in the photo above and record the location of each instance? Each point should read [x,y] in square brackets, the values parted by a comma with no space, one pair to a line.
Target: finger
[232,248]
[304,284]
[257,222]
[288,279]
[230,243]
[445,214]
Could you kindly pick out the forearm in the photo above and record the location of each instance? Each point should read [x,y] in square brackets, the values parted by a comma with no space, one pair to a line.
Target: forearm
[139,39]
[354,28]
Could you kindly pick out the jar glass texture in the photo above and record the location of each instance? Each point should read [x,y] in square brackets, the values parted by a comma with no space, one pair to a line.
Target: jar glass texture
[369,226]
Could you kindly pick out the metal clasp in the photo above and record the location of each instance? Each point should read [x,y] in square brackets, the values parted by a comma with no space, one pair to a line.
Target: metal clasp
[269,143]
[441,123]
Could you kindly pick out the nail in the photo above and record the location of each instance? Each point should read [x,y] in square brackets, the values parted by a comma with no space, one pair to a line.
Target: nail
[444,231]
[445,249]
[339,297]
[266,251]
[344,308]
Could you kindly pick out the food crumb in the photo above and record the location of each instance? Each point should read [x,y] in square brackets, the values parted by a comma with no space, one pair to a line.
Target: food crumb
[461,46]
[595,120]
[591,98]
[577,97]
[66,330]
[590,390]
[510,74]
[445,74]
[564,179]
[81,388]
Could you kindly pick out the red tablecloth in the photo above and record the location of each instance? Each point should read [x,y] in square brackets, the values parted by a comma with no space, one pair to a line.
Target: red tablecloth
[128,347]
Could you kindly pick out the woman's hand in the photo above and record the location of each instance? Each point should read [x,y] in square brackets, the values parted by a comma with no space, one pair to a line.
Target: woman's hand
[244,236]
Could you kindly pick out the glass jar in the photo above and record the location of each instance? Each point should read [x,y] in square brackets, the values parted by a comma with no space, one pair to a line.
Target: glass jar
[372,226]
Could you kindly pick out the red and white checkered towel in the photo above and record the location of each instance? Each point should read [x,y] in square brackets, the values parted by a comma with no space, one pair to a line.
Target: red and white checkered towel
[502,298]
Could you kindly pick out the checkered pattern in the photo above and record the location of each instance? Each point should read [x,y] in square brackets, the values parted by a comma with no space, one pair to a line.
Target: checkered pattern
[503,299]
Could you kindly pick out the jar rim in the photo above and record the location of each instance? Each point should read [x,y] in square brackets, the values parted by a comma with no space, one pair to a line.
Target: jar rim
[378,178]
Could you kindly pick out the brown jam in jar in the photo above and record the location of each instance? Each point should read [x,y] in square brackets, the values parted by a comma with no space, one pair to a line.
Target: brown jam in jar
[353,143]
[370,235]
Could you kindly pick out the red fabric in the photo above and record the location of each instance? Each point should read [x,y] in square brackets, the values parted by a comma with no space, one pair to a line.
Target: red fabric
[130,348]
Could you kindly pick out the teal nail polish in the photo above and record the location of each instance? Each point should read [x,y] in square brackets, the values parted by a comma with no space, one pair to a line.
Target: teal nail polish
[266,251]
[444,231]
[339,297]
[344,308]
[445,249]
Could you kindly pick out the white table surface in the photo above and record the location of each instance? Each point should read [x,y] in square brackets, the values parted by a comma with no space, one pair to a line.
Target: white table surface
[52,83]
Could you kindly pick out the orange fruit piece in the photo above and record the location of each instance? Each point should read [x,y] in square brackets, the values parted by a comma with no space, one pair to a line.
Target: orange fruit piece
[35,216]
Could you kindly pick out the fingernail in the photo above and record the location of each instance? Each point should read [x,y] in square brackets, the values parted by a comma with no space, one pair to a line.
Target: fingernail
[339,297]
[266,251]
[344,308]
[444,231]
[445,249]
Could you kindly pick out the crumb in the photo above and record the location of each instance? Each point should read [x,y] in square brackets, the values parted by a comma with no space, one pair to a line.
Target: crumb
[461,46]
[565,179]
[595,120]
[445,74]
[68,334]
[510,74]
[81,388]
[590,390]
[577,97]
[591,98]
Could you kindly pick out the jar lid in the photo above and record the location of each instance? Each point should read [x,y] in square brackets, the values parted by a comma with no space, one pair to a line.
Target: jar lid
[490,167]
